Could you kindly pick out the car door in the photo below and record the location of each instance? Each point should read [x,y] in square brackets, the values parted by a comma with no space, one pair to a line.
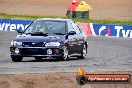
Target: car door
[75,41]
[72,39]
[79,38]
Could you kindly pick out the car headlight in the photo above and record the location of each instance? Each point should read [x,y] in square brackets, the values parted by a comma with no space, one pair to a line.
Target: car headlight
[16,43]
[52,44]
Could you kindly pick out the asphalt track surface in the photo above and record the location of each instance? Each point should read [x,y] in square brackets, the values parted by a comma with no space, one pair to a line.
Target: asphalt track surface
[104,54]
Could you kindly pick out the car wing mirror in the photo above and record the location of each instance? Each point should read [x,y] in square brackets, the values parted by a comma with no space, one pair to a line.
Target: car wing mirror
[72,33]
[19,31]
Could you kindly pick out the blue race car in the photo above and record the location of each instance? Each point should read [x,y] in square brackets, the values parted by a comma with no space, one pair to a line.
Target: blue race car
[49,38]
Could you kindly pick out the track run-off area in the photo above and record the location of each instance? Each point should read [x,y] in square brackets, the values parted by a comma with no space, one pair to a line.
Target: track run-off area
[104,54]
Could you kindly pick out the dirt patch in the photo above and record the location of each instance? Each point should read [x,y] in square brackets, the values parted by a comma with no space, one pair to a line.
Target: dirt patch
[102,9]
[51,80]
[57,80]
[95,3]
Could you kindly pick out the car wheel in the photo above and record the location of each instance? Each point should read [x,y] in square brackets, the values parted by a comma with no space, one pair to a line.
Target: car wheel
[39,59]
[65,54]
[83,53]
[16,58]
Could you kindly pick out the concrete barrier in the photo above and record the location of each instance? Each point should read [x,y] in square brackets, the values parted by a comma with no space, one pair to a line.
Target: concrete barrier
[88,28]
[13,25]
[106,29]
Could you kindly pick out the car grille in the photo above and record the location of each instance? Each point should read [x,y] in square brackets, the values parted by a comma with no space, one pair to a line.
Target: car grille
[33,52]
[34,44]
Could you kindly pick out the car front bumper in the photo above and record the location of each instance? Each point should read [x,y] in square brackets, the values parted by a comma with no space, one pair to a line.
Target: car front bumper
[37,51]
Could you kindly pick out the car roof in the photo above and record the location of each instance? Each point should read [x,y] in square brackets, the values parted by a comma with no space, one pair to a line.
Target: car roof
[55,19]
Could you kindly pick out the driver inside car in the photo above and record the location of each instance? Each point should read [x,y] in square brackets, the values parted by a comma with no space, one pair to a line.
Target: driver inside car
[40,28]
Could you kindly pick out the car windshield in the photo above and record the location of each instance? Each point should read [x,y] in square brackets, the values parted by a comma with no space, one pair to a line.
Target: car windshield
[46,27]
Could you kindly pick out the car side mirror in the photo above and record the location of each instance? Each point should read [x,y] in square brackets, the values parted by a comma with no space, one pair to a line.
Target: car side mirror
[72,33]
[19,31]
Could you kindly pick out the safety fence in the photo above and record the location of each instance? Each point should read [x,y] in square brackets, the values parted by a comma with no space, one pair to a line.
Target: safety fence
[89,28]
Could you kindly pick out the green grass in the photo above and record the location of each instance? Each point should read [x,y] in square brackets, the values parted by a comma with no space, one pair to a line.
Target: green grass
[27,17]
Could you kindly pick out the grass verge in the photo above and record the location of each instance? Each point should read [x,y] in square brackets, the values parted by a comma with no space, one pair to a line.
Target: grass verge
[27,17]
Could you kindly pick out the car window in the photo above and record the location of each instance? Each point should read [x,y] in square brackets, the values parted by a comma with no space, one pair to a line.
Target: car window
[70,27]
[46,26]
[74,27]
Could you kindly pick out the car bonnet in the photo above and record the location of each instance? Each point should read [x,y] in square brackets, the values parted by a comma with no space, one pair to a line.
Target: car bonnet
[29,38]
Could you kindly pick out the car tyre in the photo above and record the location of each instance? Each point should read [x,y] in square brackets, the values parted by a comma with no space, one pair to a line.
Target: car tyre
[38,59]
[83,53]
[16,58]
